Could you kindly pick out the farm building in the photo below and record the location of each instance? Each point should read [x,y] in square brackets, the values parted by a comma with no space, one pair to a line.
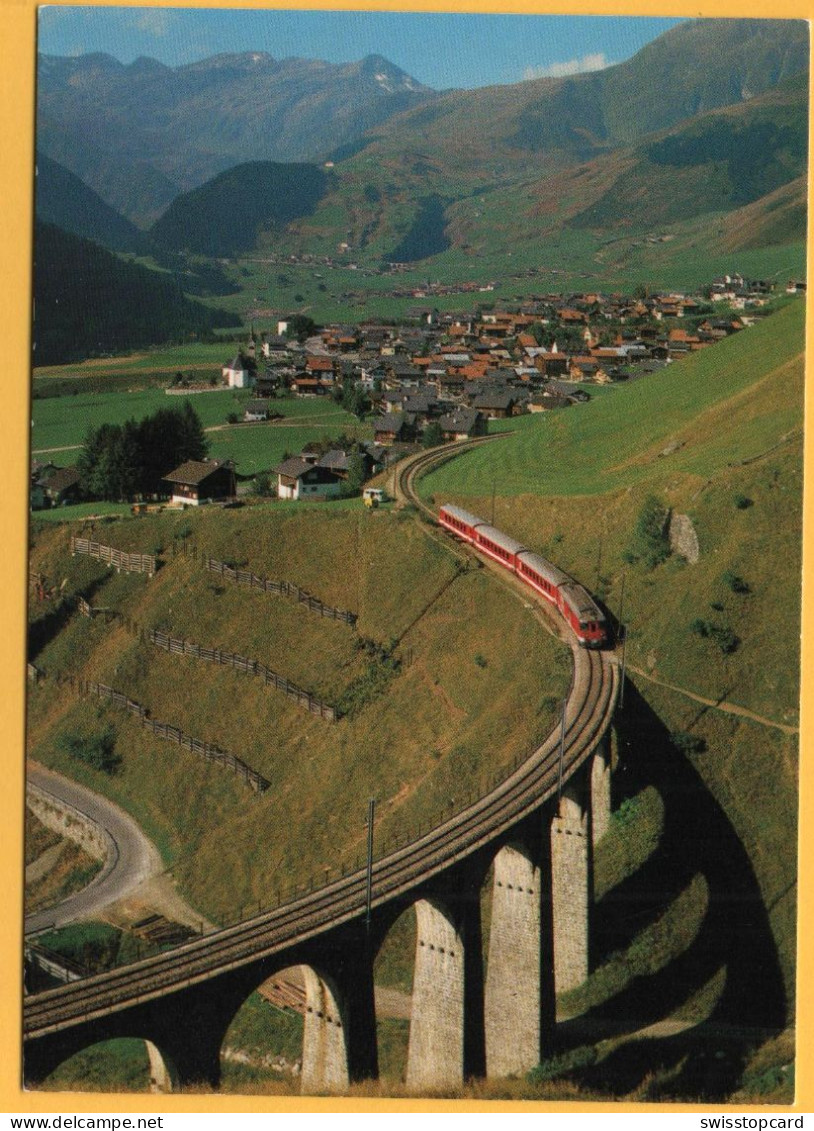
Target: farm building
[298,478]
[257,410]
[59,485]
[201,481]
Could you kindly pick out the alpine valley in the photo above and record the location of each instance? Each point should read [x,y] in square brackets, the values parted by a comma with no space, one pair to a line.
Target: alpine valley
[655,171]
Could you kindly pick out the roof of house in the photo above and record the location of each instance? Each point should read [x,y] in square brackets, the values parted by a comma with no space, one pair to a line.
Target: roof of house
[334,460]
[391,422]
[293,467]
[194,471]
[494,400]
[462,420]
[60,479]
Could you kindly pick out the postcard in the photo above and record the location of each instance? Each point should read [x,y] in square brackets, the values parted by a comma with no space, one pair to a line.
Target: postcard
[414,494]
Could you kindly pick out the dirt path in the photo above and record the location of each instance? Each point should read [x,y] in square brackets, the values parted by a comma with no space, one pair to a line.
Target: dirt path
[717,704]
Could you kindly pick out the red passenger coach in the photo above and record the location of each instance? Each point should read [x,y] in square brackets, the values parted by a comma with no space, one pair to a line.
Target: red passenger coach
[575,604]
[459,521]
[498,545]
[541,575]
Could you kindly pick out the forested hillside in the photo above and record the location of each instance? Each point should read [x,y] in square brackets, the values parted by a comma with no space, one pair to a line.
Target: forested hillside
[88,302]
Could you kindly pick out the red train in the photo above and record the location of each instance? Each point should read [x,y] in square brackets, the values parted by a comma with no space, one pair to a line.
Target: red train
[574,603]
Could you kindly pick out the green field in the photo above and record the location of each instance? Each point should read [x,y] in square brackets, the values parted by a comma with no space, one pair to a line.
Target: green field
[616,442]
[61,424]
[337,294]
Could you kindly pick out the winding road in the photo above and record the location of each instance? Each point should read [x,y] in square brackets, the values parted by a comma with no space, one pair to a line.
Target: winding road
[130,857]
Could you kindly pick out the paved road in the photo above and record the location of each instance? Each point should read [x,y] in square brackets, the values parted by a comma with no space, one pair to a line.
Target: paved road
[132,858]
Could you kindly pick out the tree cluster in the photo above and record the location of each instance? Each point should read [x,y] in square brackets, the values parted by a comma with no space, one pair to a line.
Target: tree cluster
[352,397]
[122,461]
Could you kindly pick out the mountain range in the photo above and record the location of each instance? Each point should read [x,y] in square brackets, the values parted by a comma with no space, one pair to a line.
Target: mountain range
[698,142]
[139,134]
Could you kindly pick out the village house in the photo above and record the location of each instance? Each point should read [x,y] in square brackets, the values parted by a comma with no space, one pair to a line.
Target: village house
[56,487]
[497,406]
[394,428]
[545,402]
[201,481]
[318,366]
[462,424]
[306,386]
[298,478]
[256,410]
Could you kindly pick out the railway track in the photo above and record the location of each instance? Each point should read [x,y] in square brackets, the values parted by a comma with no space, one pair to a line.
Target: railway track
[590,703]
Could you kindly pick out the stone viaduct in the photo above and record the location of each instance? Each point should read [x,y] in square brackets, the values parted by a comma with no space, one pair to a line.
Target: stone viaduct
[534,832]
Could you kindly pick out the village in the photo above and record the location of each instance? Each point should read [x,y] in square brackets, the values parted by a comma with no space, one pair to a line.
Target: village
[436,378]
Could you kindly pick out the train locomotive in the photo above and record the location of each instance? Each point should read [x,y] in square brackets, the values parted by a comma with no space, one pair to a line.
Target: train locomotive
[574,603]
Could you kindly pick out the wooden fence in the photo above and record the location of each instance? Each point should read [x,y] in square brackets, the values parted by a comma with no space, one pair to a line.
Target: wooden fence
[284,588]
[205,750]
[240,663]
[130,563]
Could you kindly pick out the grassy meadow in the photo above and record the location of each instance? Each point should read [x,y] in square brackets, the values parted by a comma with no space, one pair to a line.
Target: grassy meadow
[454,680]
[61,425]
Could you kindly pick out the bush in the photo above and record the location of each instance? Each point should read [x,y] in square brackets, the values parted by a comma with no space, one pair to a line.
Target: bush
[725,638]
[688,743]
[96,750]
[722,634]
[650,543]
[627,812]
[480,660]
[735,583]
[743,502]
[263,484]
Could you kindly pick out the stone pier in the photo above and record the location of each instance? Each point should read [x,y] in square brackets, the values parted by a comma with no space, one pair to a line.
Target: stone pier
[571,885]
[325,1065]
[519,997]
[600,791]
[435,1058]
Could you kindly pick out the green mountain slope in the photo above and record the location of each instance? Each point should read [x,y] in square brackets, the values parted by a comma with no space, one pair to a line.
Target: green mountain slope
[226,215]
[87,301]
[713,648]
[699,66]
[65,200]
[443,179]
[713,163]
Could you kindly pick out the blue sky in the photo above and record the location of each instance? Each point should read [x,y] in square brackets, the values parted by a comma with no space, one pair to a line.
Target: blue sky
[439,49]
